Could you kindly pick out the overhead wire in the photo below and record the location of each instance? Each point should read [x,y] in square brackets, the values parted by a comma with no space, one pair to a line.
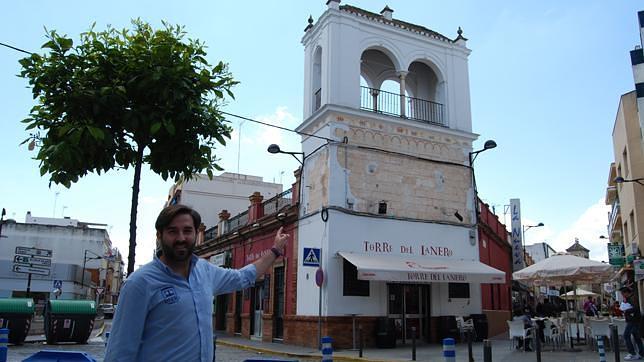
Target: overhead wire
[302,133]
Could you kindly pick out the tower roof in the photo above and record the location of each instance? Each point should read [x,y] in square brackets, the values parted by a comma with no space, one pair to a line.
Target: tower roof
[396,23]
[576,247]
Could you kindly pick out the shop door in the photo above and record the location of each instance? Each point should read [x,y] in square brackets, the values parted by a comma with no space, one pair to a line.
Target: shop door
[406,308]
[278,306]
[257,294]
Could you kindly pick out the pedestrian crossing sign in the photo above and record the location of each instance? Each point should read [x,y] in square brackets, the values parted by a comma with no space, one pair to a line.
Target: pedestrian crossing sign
[311,257]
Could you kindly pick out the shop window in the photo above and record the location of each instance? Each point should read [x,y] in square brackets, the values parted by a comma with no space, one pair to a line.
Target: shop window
[352,286]
[459,290]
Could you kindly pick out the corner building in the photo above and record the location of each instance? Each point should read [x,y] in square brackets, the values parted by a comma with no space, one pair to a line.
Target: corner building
[388,198]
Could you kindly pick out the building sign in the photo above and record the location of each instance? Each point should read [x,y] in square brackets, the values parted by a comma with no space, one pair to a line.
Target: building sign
[218,259]
[616,254]
[517,242]
[638,266]
[422,249]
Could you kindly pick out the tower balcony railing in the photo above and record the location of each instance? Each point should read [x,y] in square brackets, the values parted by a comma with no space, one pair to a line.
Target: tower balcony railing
[379,101]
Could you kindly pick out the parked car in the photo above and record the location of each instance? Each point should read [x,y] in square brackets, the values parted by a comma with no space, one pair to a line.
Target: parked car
[107,309]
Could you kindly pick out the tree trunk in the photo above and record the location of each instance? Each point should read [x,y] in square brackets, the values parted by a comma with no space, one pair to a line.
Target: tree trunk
[133,210]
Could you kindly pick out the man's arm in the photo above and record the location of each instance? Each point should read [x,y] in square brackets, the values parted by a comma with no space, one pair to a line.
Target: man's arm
[262,264]
[128,324]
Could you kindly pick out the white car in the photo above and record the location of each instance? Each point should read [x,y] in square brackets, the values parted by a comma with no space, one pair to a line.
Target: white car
[107,309]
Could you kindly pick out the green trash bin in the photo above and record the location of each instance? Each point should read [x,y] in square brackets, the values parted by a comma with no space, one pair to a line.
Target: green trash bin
[16,314]
[69,320]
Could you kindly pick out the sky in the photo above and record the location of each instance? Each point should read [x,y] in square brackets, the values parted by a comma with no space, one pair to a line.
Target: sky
[545,82]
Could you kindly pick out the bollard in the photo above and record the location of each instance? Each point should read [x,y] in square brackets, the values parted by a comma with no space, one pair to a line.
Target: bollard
[214,346]
[107,337]
[537,342]
[361,340]
[413,343]
[469,346]
[600,349]
[614,337]
[4,339]
[487,350]
[327,349]
[449,350]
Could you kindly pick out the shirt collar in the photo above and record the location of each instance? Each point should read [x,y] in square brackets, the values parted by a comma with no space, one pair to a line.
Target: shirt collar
[161,265]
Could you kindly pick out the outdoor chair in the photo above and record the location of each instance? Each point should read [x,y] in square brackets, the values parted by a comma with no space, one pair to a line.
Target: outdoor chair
[551,333]
[465,326]
[517,331]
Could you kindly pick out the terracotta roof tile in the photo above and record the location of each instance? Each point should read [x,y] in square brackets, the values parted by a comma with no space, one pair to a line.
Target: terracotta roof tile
[396,23]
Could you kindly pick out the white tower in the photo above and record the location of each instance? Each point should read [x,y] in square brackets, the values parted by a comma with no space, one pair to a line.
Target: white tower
[395,181]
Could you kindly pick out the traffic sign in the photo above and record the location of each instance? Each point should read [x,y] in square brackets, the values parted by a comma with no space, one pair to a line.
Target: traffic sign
[319,277]
[33,251]
[311,257]
[29,270]
[58,284]
[32,260]
[99,290]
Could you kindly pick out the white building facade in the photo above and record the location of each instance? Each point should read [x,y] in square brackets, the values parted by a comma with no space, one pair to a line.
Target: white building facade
[228,191]
[56,250]
[540,251]
[386,187]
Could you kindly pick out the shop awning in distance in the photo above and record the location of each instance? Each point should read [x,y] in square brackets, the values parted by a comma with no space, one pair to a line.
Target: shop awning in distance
[414,269]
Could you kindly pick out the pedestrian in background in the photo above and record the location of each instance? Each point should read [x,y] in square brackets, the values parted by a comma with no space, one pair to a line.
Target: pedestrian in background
[165,307]
[633,318]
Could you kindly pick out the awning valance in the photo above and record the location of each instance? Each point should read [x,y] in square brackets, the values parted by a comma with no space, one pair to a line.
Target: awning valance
[414,269]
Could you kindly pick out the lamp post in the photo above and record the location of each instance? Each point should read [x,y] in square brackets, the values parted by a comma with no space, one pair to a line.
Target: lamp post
[620,179]
[489,144]
[273,148]
[85,259]
[526,228]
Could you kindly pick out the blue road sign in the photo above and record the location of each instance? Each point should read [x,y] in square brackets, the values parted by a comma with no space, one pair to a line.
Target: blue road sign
[311,257]
[58,284]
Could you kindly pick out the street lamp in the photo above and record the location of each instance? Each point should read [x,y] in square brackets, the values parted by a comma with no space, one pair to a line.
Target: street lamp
[489,144]
[526,228]
[273,148]
[85,259]
[620,179]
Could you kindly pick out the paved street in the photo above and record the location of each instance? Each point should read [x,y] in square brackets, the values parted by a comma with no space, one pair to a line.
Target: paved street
[96,349]
[239,349]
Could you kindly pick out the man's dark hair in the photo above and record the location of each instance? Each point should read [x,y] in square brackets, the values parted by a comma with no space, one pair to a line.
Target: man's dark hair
[169,213]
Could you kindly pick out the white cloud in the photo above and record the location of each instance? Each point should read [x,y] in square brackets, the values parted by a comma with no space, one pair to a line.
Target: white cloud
[587,228]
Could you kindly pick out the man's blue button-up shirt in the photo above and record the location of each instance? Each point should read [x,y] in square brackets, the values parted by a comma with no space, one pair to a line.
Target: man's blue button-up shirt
[161,316]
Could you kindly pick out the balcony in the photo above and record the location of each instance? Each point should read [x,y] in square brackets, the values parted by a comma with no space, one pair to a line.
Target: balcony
[379,101]
[614,224]
[270,206]
[277,202]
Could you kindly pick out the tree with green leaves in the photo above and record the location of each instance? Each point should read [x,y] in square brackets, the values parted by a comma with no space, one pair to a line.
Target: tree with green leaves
[122,98]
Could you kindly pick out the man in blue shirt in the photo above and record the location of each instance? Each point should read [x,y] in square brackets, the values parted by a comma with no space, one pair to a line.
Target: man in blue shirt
[165,308]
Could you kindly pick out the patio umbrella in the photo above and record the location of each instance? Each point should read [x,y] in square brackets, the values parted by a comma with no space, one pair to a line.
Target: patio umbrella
[578,294]
[562,269]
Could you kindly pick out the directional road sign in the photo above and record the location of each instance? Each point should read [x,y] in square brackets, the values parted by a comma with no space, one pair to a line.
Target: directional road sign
[33,251]
[32,260]
[28,269]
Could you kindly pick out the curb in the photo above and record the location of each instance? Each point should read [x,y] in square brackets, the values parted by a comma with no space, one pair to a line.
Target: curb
[336,357]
